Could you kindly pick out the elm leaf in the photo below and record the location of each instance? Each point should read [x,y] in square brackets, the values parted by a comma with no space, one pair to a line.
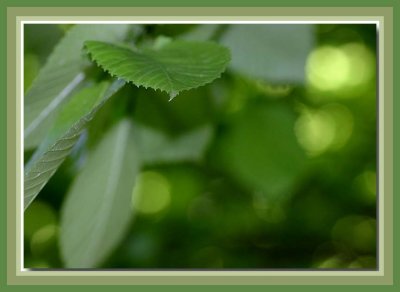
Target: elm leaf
[176,66]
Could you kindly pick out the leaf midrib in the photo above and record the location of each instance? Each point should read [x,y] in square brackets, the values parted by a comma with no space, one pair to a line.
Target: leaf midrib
[64,93]
[112,183]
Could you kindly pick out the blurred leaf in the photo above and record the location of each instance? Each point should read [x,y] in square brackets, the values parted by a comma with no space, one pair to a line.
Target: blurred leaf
[203,32]
[63,135]
[260,149]
[66,26]
[160,42]
[62,73]
[156,147]
[276,53]
[111,113]
[40,39]
[173,30]
[98,206]
[191,110]
[175,67]
[187,183]
[31,69]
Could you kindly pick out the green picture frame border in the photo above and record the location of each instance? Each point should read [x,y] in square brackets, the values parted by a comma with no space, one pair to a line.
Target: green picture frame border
[12,11]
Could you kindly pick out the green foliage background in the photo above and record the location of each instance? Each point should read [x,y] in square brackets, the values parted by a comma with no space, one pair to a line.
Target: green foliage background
[273,165]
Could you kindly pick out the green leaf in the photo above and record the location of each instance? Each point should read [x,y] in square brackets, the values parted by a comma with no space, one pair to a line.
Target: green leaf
[63,135]
[260,150]
[62,73]
[156,147]
[272,52]
[98,207]
[177,66]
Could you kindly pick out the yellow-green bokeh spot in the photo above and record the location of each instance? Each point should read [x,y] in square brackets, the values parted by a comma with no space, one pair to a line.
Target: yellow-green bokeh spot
[43,239]
[37,216]
[366,183]
[151,193]
[339,68]
[356,232]
[327,128]
[327,68]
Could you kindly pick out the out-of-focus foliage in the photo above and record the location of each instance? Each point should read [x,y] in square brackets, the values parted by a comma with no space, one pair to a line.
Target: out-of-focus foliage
[61,74]
[263,51]
[255,170]
[98,206]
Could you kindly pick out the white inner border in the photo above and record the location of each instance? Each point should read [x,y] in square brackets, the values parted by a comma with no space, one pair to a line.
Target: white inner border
[380,272]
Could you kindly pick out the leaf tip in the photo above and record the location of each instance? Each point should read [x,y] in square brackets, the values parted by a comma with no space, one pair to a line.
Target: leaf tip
[172,95]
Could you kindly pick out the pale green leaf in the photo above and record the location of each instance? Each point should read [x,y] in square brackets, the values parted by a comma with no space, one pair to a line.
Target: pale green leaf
[62,73]
[65,132]
[98,207]
[155,147]
[177,66]
[272,52]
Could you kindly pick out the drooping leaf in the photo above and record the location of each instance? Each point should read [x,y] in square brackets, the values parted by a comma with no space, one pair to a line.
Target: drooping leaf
[177,66]
[98,206]
[155,147]
[260,150]
[272,52]
[62,73]
[63,135]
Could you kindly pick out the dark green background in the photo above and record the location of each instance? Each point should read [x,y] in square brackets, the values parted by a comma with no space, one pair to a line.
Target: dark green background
[255,199]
